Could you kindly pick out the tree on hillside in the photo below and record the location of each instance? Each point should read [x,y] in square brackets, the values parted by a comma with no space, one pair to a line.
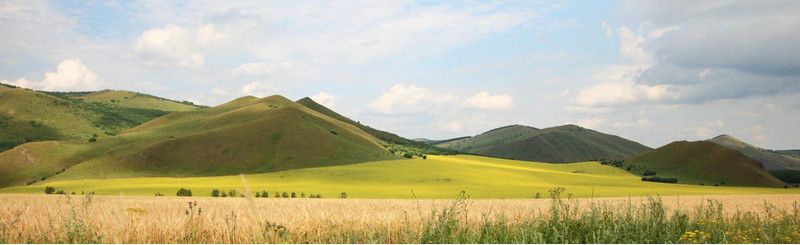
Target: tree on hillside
[285,195]
[264,194]
[294,195]
[343,195]
[184,193]
[258,194]
[49,190]
[215,193]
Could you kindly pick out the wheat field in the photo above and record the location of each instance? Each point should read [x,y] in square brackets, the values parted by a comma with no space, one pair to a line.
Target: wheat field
[135,219]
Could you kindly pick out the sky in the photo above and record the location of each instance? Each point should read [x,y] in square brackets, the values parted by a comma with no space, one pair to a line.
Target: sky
[650,71]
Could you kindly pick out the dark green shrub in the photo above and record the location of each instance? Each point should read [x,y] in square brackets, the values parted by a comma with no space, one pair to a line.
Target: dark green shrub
[649,172]
[258,194]
[49,190]
[424,157]
[222,194]
[408,155]
[285,195]
[93,139]
[343,195]
[215,193]
[660,179]
[294,195]
[232,193]
[184,193]
[264,194]
[60,192]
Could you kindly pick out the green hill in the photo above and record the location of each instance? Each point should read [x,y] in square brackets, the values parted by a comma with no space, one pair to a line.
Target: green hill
[705,163]
[396,143]
[135,100]
[568,143]
[31,116]
[247,135]
[436,177]
[771,161]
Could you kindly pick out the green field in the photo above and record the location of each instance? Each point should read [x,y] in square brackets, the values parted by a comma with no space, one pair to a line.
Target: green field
[436,177]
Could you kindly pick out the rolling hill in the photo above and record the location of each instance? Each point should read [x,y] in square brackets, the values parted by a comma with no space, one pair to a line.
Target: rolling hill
[791,153]
[134,100]
[771,161]
[31,116]
[567,143]
[436,177]
[396,143]
[704,163]
[247,135]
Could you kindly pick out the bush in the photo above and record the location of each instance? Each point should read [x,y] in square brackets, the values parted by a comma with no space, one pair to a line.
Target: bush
[60,192]
[232,193]
[649,172]
[158,194]
[264,194]
[49,190]
[285,195]
[222,194]
[93,139]
[660,179]
[215,193]
[294,195]
[424,157]
[343,195]
[277,195]
[258,194]
[184,193]
[407,155]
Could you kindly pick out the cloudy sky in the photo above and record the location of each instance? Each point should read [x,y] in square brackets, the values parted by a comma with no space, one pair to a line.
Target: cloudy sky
[653,72]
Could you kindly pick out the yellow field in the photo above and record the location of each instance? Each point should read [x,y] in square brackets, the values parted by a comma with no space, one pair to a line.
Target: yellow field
[126,219]
[436,177]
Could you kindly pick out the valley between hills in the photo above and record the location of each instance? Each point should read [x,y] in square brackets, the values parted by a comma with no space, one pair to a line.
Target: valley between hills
[120,142]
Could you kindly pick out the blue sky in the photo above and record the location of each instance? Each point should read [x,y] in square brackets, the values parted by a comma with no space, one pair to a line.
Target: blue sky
[653,72]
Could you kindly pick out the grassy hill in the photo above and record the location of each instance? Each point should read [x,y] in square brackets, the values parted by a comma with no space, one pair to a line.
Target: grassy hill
[436,177]
[705,163]
[135,100]
[568,143]
[32,116]
[247,135]
[771,161]
[394,142]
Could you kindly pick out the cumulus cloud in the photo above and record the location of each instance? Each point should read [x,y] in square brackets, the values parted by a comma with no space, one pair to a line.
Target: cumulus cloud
[70,75]
[408,99]
[262,69]
[589,122]
[257,89]
[325,99]
[483,100]
[175,45]
[644,122]
[693,52]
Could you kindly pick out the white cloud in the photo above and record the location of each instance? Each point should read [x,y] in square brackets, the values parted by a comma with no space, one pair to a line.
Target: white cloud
[71,75]
[606,28]
[589,122]
[757,134]
[642,123]
[262,69]
[408,99]
[175,45]
[626,93]
[256,89]
[325,99]
[483,100]
[701,132]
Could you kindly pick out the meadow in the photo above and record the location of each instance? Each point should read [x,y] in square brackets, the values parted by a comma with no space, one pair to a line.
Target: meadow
[26,218]
[435,177]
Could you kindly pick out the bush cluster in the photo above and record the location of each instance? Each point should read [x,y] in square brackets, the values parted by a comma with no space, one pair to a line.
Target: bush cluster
[184,192]
[660,179]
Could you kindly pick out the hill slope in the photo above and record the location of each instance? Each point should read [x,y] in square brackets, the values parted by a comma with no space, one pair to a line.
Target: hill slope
[771,161]
[704,163]
[396,143]
[30,116]
[135,100]
[436,177]
[568,143]
[248,135]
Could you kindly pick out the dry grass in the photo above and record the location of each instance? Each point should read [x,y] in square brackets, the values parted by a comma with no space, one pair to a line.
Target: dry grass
[127,219]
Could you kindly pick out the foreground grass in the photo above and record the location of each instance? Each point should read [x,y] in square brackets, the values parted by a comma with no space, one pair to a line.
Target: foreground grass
[436,177]
[107,219]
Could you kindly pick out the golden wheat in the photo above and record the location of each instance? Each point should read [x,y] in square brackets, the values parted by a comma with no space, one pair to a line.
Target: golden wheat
[132,219]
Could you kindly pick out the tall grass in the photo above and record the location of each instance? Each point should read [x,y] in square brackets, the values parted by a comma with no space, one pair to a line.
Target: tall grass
[106,219]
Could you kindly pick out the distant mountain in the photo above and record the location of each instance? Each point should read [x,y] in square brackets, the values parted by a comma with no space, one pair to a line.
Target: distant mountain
[791,153]
[31,116]
[562,144]
[412,146]
[705,163]
[247,135]
[771,161]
